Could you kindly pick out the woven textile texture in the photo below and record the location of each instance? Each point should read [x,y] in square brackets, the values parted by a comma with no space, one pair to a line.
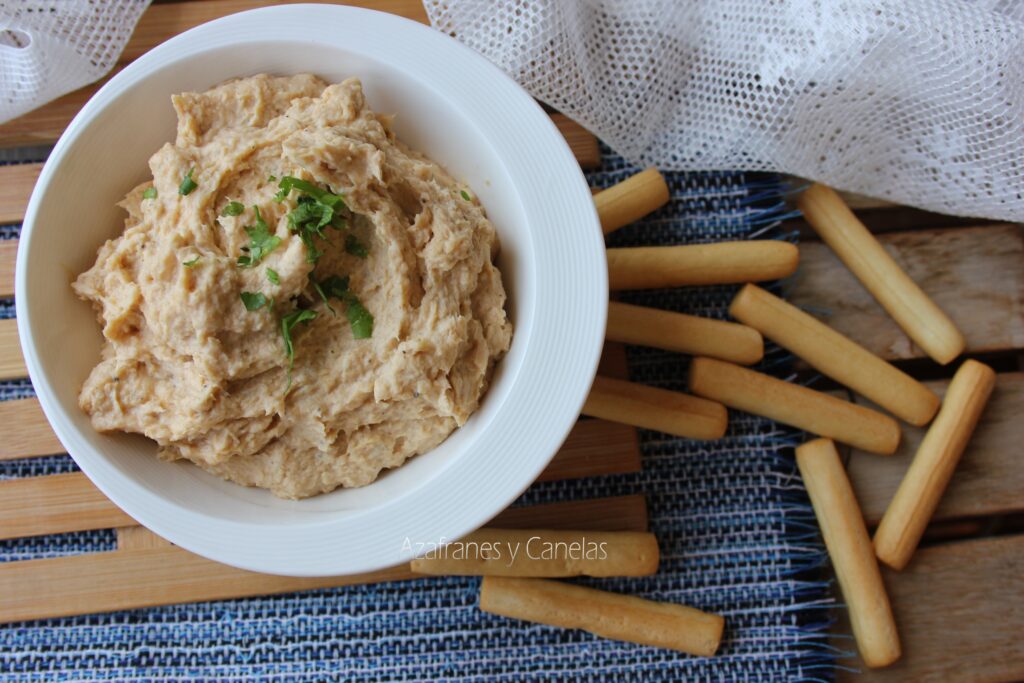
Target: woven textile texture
[916,101]
[736,531]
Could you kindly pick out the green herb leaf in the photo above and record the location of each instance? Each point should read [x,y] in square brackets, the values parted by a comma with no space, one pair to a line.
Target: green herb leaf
[271,178]
[191,263]
[233,209]
[288,323]
[289,183]
[335,286]
[273,276]
[465,195]
[359,319]
[253,301]
[187,184]
[355,247]
[262,242]
[323,295]
[149,193]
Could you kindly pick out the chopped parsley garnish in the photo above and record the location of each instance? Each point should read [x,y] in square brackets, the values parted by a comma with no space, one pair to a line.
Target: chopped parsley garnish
[233,209]
[359,319]
[262,242]
[273,276]
[271,178]
[288,322]
[355,247]
[253,301]
[465,195]
[187,184]
[150,193]
[315,209]
[191,263]
[289,183]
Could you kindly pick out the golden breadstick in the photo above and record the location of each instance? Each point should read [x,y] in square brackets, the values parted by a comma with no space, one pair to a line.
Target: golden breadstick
[922,487]
[544,553]
[630,200]
[792,404]
[909,306]
[834,355]
[609,615]
[652,408]
[683,333]
[700,264]
[849,546]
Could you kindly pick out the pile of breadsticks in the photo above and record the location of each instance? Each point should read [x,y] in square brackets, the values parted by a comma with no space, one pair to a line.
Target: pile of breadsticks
[513,585]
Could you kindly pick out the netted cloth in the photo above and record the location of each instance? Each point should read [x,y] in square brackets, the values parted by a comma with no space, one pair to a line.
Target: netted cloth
[49,48]
[917,101]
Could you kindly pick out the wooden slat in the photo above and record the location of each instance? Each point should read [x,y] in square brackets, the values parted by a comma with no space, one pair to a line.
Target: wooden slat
[135,537]
[8,254]
[595,447]
[27,433]
[69,502]
[990,476]
[960,612]
[166,574]
[973,274]
[12,364]
[163,21]
[16,183]
[582,142]
[55,504]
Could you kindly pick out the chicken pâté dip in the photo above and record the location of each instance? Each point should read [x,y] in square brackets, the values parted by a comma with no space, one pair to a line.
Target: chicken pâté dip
[298,301]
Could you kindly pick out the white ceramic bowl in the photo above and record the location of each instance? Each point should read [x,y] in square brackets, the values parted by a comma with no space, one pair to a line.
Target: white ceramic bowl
[461,111]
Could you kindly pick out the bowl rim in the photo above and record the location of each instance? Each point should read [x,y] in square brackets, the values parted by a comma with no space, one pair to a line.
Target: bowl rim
[572,350]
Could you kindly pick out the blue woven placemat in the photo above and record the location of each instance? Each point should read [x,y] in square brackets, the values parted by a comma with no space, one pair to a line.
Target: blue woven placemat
[737,536]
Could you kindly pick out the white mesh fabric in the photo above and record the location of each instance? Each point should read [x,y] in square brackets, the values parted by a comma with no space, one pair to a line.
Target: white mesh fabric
[50,48]
[917,101]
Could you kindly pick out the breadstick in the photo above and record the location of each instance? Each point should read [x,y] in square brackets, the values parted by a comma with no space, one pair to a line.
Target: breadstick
[683,333]
[537,553]
[652,408]
[792,404]
[609,615]
[834,355]
[700,264]
[922,487]
[849,546]
[910,307]
[630,200]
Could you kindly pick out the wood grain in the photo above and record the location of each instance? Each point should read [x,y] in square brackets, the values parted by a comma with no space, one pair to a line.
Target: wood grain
[69,502]
[960,611]
[164,574]
[16,183]
[973,274]
[988,480]
[8,254]
[12,363]
[163,21]
[53,504]
[594,448]
[133,537]
[27,433]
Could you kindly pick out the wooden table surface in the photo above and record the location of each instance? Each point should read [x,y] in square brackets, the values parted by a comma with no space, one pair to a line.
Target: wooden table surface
[960,603]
